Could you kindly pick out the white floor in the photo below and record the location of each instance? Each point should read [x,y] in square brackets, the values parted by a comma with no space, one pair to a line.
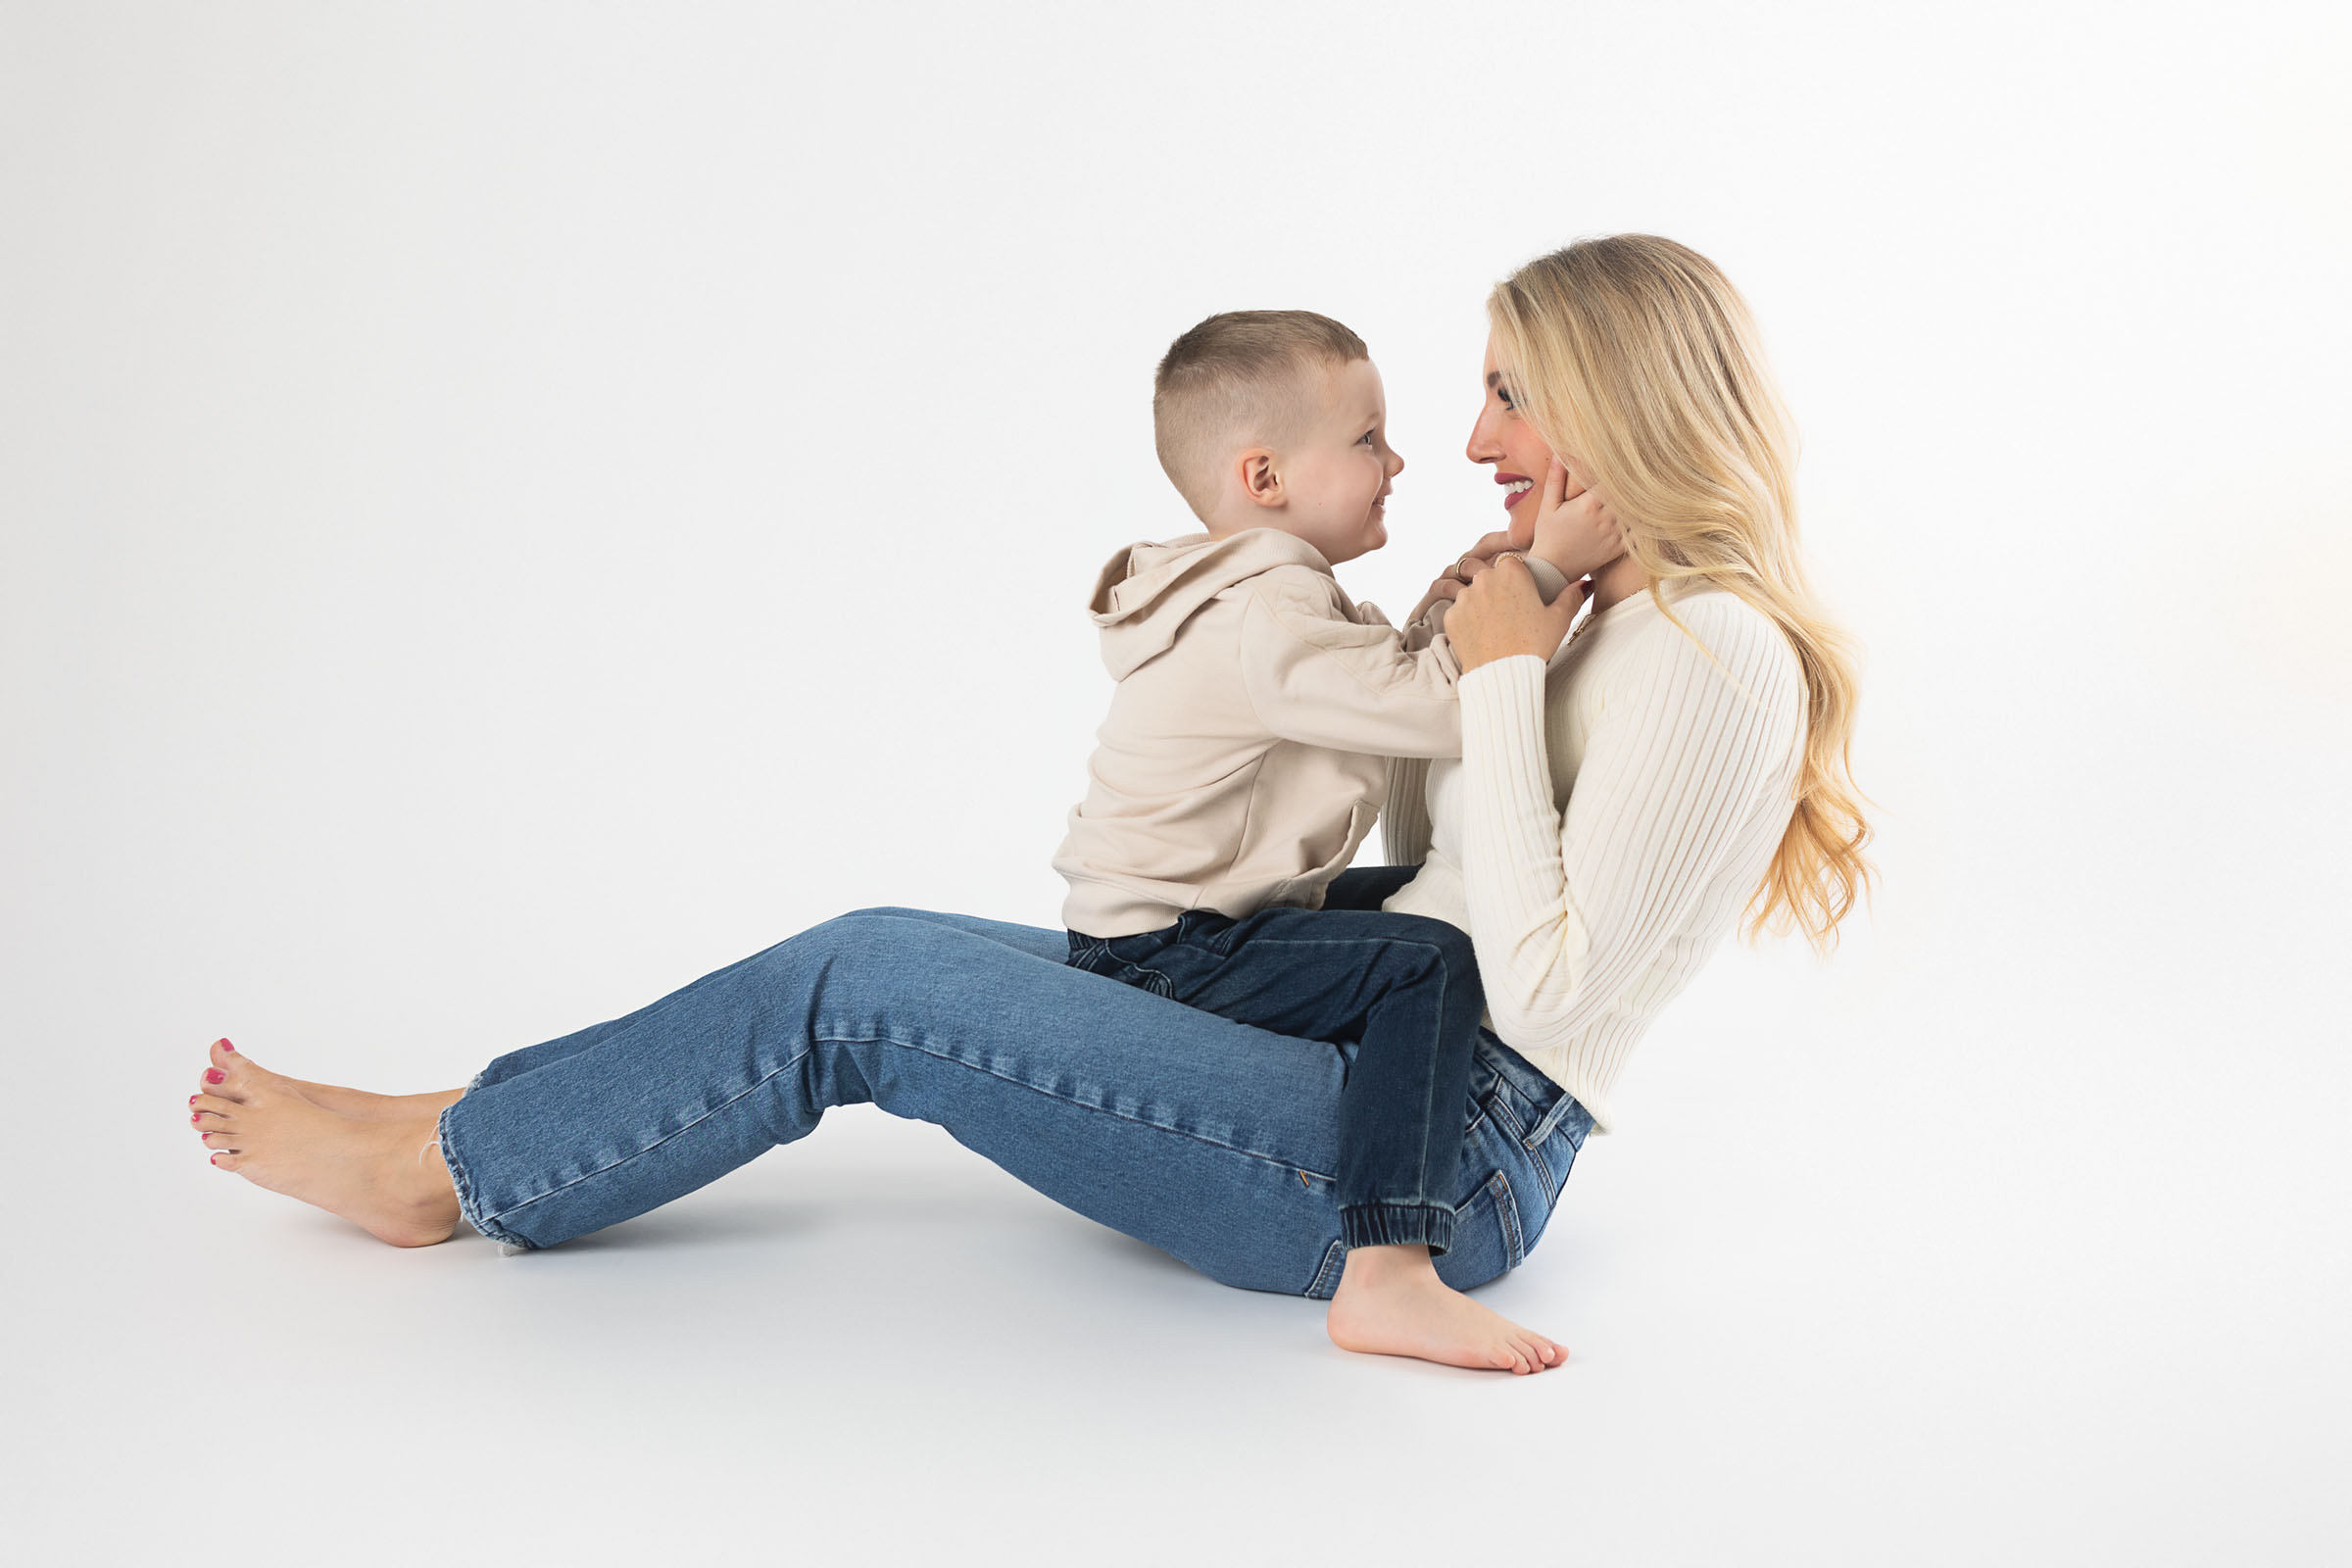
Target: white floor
[1960,1334]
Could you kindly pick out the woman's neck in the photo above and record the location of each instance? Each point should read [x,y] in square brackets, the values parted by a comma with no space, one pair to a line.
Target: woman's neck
[1620,579]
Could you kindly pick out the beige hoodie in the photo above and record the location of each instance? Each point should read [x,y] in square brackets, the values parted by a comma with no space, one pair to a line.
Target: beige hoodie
[1244,756]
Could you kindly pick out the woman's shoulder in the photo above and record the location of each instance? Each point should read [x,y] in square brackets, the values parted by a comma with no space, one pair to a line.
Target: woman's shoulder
[1743,641]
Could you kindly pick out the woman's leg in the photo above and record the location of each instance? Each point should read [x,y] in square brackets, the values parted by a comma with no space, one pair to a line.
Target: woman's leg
[1359,888]
[359,1103]
[392,1107]
[1210,1140]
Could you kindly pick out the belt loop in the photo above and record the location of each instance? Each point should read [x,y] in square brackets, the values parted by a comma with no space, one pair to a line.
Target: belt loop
[1548,1124]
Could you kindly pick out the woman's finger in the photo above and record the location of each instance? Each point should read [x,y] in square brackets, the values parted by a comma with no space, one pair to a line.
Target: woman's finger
[1555,485]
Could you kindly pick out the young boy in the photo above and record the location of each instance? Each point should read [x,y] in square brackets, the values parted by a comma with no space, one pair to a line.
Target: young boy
[1240,769]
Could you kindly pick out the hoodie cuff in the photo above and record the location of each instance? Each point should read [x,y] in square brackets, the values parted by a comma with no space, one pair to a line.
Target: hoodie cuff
[1550,580]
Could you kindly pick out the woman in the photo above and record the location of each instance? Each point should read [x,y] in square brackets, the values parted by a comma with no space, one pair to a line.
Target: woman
[1697,722]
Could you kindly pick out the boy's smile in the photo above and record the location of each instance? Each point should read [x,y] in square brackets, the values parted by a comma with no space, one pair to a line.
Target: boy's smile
[1336,475]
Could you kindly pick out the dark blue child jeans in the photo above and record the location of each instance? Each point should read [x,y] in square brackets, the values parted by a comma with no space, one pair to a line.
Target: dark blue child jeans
[1401,989]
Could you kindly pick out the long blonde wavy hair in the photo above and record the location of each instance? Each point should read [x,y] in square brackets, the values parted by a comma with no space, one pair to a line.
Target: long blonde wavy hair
[1636,356]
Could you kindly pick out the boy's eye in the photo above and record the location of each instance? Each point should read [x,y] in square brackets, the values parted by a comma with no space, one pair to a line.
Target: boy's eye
[1364,440]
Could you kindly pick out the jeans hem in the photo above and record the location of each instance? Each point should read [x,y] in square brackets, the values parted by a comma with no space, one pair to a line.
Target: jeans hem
[469,1206]
[1397,1225]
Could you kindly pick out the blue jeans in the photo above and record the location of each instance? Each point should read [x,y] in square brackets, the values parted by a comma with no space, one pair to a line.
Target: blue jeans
[1401,988]
[1210,1140]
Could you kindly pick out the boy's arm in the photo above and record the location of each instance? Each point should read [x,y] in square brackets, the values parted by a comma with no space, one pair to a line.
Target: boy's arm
[1317,677]
[1419,634]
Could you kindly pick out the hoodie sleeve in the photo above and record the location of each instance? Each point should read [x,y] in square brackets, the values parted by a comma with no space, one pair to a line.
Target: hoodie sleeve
[1319,678]
[1404,829]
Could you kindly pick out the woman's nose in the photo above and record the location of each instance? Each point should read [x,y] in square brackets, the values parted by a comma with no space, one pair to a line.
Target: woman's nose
[1482,446]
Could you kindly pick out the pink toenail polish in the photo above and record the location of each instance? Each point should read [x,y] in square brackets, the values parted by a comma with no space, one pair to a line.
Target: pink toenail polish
[228,1048]
[214,1160]
[191,1099]
[213,1075]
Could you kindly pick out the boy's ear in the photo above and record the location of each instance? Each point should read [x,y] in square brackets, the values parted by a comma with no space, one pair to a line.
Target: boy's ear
[1262,482]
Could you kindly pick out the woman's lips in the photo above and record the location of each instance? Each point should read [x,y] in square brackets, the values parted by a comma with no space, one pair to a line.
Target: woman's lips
[1511,497]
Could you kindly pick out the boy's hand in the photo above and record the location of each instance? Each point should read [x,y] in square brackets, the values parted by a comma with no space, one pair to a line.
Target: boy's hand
[1477,558]
[1575,530]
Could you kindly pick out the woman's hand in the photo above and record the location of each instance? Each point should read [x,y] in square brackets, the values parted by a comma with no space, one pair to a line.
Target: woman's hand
[1477,558]
[1575,530]
[1499,613]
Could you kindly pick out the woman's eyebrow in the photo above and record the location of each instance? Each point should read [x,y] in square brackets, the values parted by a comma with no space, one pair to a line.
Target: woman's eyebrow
[1494,377]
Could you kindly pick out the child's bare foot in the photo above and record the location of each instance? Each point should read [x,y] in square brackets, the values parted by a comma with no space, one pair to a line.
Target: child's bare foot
[382,1174]
[1391,1303]
[355,1102]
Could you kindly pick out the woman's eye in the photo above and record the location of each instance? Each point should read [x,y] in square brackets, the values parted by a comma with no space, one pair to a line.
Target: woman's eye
[1504,393]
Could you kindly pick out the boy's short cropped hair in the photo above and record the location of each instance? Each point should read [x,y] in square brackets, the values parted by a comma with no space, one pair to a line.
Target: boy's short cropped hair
[1236,378]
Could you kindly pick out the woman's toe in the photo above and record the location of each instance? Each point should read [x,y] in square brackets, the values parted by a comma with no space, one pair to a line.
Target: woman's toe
[226,1159]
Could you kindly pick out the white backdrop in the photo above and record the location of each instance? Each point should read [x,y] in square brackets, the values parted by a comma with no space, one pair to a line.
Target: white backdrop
[509,507]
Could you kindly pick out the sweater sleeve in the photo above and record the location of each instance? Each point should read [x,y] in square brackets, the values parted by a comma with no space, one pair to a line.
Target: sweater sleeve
[1567,909]
[1319,678]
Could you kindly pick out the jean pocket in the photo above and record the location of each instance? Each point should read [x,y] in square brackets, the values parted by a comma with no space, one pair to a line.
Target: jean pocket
[1489,1240]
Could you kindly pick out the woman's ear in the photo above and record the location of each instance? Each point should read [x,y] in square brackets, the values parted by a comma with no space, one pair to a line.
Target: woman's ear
[1262,482]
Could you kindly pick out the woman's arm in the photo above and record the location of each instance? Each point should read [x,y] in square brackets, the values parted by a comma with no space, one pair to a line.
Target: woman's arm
[1567,909]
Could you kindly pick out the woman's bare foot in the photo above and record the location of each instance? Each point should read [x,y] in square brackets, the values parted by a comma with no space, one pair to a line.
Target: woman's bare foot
[384,1173]
[1391,1303]
[358,1102]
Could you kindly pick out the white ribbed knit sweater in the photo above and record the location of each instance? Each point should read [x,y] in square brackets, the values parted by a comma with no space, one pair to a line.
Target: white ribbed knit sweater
[1595,874]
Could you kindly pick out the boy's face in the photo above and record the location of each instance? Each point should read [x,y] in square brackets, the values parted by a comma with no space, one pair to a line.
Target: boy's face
[1334,476]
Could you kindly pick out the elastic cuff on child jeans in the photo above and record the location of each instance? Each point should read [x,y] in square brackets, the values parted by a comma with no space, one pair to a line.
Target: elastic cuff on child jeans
[1397,1225]
[470,1208]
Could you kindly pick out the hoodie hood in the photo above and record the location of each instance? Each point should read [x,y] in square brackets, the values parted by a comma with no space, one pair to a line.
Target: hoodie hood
[1146,592]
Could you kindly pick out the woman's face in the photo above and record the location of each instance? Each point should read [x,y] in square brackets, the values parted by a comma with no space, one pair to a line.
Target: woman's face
[1519,455]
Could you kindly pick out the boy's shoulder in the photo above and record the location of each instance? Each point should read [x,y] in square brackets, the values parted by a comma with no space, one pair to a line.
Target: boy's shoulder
[1296,586]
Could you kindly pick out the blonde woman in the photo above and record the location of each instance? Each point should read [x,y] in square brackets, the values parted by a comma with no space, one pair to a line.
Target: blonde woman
[1623,797]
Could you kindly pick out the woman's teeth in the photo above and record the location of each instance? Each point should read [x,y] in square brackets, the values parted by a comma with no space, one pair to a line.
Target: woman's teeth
[1519,487]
